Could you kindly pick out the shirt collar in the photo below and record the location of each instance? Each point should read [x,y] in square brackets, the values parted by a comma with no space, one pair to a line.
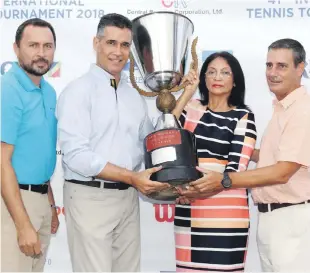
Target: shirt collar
[24,79]
[291,98]
[97,70]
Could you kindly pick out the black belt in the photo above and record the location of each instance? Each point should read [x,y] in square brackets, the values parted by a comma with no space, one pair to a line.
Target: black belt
[42,188]
[273,206]
[97,184]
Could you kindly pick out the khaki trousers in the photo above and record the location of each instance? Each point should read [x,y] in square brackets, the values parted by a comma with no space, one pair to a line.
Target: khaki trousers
[40,213]
[283,239]
[103,227]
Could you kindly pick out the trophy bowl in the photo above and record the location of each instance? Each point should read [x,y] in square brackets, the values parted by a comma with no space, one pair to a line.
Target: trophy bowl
[160,42]
[159,48]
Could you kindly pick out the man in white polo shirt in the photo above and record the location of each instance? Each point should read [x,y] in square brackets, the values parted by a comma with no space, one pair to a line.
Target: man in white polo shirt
[102,123]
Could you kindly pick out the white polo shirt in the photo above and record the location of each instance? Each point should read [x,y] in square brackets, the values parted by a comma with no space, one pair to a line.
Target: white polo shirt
[98,124]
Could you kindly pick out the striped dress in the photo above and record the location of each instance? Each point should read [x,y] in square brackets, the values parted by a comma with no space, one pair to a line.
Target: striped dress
[212,234]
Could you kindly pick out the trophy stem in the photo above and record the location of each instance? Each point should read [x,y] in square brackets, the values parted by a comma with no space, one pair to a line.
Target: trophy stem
[165,102]
[167,121]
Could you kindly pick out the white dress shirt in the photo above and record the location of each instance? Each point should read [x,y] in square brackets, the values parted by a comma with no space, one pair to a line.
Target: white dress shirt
[97,125]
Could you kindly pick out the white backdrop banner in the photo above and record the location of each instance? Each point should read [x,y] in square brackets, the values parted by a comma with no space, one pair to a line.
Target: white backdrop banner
[244,28]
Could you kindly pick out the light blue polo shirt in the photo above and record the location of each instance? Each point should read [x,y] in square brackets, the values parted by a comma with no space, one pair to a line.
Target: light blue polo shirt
[28,122]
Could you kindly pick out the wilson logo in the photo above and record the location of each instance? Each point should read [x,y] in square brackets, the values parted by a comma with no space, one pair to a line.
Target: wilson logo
[164,213]
[60,210]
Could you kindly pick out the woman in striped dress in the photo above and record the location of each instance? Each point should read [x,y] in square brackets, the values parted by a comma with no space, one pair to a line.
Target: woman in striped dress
[211,234]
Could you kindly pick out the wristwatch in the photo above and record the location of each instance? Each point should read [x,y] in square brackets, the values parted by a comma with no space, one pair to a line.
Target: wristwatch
[226,182]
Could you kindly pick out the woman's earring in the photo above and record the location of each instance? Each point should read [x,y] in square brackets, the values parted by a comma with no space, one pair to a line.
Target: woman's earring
[234,85]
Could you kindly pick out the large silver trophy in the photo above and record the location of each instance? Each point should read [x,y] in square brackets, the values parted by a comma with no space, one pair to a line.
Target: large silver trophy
[160,44]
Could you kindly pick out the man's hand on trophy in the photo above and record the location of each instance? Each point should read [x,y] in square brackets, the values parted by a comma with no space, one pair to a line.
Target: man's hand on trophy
[191,81]
[141,181]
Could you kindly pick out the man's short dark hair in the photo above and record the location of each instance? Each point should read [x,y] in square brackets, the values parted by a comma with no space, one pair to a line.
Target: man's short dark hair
[113,20]
[32,22]
[299,52]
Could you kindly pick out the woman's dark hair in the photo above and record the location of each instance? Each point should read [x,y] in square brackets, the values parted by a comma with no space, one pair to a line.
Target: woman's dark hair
[236,97]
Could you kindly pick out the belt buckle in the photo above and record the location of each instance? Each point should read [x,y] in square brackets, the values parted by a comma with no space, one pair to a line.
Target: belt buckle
[269,207]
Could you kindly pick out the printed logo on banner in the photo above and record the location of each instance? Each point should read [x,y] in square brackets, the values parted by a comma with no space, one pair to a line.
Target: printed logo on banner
[186,7]
[54,72]
[60,210]
[127,66]
[272,9]
[48,261]
[137,74]
[5,67]
[206,53]
[175,3]
[164,212]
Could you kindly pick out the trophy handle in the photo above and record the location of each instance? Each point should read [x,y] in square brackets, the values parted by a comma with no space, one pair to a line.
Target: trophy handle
[133,80]
[194,65]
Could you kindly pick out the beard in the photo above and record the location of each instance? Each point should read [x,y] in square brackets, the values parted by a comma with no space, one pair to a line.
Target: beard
[35,70]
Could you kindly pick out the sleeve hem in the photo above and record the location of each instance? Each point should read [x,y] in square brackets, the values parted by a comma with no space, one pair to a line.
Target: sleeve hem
[100,167]
[294,160]
[8,141]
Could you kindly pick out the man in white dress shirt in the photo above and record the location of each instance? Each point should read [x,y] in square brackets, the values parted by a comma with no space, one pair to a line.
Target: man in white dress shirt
[102,122]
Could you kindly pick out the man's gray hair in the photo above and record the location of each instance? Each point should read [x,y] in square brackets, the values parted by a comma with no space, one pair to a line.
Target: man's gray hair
[299,52]
[114,20]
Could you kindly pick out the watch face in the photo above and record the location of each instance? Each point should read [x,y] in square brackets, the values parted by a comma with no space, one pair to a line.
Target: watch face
[226,181]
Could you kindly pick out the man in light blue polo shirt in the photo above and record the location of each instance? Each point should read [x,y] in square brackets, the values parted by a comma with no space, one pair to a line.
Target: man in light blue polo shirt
[28,150]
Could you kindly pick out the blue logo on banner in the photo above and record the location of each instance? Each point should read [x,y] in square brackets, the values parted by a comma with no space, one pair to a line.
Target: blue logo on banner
[206,53]
[127,66]
[54,71]
[137,74]
[5,67]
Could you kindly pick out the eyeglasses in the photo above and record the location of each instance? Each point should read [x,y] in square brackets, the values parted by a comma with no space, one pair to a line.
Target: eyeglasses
[212,74]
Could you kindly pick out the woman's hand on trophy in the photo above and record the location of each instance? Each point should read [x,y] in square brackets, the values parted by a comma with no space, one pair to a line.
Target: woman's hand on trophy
[188,194]
[204,187]
[191,81]
[141,181]
[208,185]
